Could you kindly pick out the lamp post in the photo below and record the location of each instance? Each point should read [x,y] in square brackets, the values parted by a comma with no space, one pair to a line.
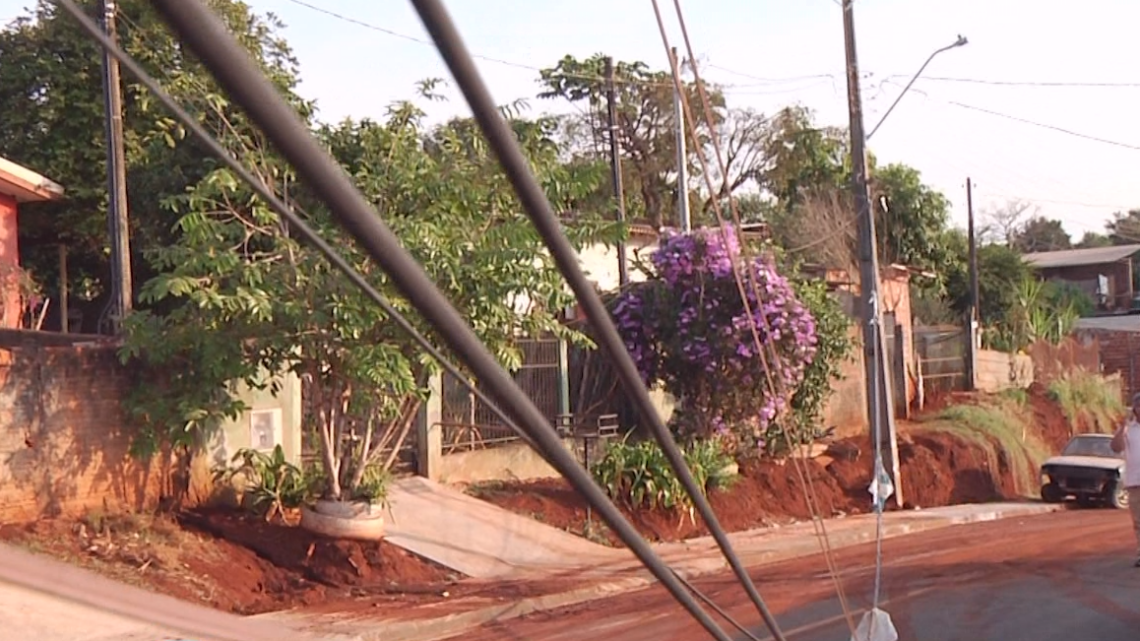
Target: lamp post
[960,42]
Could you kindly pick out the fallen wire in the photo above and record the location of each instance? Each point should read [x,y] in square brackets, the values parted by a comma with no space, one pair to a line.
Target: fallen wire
[810,496]
[503,142]
[236,72]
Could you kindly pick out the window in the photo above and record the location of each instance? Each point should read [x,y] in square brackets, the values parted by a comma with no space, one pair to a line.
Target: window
[265,429]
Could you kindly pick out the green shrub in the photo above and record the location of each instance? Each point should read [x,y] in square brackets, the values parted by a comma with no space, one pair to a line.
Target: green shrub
[639,474]
[274,484]
[1088,400]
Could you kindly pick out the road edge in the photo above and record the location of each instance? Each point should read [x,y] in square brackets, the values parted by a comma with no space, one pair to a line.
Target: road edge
[450,625]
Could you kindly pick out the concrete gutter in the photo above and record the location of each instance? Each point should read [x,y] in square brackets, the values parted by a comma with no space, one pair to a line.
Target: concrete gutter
[690,559]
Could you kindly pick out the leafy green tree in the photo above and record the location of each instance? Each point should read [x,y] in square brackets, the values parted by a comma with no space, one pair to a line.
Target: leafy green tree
[912,223]
[1124,228]
[1001,271]
[1040,234]
[801,159]
[246,299]
[645,127]
[1093,239]
[54,123]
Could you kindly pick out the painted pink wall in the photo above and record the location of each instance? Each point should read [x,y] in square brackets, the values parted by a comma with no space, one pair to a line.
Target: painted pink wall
[9,263]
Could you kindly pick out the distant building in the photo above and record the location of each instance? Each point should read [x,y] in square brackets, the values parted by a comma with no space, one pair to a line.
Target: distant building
[1104,273]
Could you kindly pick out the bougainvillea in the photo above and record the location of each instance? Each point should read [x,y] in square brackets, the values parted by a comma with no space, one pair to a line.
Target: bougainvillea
[688,329]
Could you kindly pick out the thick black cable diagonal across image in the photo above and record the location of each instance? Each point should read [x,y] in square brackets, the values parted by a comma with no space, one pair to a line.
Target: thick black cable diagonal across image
[207,36]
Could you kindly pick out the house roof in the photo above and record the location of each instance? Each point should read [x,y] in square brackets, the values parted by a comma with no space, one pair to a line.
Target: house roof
[1118,323]
[25,185]
[1079,257]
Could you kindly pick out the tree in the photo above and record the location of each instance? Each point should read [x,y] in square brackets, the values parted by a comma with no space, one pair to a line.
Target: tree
[53,122]
[911,220]
[1039,234]
[801,159]
[1003,222]
[1124,228]
[1093,239]
[741,137]
[645,126]
[247,300]
[687,327]
[1001,271]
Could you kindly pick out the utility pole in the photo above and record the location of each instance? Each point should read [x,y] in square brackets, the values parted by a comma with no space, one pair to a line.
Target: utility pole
[682,157]
[972,313]
[117,220]
[615,168]
[878,384]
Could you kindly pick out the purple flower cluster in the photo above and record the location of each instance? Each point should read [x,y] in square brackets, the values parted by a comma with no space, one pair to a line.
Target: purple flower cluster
[687,327]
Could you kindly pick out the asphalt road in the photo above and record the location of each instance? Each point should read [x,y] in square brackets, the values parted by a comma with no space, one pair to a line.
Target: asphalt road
[1058,577]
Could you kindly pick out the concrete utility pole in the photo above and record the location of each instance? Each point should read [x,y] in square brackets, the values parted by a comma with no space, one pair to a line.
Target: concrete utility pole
[682,156]
[878,383]
[615,168]
[973,314]
[117,220]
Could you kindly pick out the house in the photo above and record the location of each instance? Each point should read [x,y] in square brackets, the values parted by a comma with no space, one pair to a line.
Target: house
[1104,273]
[18,185]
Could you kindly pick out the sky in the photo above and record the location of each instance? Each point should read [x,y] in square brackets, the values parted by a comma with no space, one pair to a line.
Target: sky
[1041,106]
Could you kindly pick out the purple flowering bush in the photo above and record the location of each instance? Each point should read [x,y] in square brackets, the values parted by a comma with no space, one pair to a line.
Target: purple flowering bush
[688,329]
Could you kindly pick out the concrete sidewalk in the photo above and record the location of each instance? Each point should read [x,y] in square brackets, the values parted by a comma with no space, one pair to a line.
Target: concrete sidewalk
[618,575]
[484,541]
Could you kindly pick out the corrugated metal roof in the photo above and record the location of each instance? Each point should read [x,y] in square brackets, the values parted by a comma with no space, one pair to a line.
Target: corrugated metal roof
[1121,323]
[1075,257]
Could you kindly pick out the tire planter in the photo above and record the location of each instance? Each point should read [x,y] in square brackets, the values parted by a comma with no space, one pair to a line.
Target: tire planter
[344,520]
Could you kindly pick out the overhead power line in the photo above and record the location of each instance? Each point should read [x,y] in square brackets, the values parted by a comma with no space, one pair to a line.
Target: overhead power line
[1031,83]
[1042,125]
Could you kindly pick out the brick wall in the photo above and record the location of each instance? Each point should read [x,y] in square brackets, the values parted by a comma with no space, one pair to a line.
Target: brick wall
[1119,354]
[63,446]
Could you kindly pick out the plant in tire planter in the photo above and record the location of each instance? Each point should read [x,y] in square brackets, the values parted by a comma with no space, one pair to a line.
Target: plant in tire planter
[361,517]
[237,296]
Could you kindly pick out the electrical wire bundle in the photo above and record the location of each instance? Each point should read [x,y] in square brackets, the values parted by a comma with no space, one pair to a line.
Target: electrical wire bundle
[208,38]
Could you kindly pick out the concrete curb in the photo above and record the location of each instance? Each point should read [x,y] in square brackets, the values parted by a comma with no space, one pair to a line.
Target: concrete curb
[455,624]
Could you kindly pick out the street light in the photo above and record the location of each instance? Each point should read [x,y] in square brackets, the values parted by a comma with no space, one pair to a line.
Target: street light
[960,42]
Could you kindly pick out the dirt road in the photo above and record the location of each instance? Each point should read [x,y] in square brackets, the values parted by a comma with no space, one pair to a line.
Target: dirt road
[1056,577]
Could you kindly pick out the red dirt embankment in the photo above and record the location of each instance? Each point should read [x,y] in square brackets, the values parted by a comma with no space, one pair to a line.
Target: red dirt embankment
[232,561]
[937,468]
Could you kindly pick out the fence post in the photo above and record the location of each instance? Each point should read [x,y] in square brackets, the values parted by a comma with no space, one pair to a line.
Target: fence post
[563,377]
[429,432]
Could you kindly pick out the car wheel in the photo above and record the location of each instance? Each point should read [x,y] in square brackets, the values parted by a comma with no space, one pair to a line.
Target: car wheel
[1051,493]
[1119,497]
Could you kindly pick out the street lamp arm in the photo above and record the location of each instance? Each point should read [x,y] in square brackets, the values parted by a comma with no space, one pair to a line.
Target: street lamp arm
[961,41]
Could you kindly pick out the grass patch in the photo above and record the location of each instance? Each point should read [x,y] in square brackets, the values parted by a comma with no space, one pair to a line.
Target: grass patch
[997,426]
[1089,400]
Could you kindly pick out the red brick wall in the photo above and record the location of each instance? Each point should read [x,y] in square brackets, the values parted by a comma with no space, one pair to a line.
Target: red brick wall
[1119,354]
[63,442]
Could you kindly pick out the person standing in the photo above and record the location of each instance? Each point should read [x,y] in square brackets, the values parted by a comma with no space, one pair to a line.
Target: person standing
[1127,441]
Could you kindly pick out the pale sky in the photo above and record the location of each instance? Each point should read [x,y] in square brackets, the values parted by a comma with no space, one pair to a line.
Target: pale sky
[772,53]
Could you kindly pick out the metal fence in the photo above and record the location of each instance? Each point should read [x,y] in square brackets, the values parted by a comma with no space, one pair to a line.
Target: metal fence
[468,424]
[941,358]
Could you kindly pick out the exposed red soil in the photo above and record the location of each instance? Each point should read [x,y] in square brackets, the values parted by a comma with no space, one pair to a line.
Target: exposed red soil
[238,563]
[937,469]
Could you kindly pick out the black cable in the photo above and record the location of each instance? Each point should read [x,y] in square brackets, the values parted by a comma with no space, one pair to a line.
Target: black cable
[285,211]
[207,36]
[716,608]
[502,140]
